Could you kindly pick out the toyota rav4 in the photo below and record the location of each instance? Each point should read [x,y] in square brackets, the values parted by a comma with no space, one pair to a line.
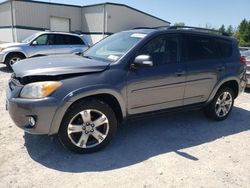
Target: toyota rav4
[129,74]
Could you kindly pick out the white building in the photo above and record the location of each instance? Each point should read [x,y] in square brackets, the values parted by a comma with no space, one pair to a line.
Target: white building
[21,18]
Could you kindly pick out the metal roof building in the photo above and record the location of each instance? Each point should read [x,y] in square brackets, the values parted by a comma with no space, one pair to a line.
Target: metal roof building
[21,18]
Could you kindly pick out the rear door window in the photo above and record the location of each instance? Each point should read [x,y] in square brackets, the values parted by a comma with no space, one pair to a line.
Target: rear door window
[201,48]
[225,47]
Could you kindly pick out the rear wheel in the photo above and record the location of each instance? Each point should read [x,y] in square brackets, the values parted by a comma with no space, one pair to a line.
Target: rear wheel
[221,105]
[13,58]
[88,126]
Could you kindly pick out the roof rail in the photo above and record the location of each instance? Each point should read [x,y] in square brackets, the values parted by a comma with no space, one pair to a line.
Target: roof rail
[143,28]
[199,29]
[158,27]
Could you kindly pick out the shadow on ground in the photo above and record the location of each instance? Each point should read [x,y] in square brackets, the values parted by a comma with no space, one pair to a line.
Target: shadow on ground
[139,140]
[5,69]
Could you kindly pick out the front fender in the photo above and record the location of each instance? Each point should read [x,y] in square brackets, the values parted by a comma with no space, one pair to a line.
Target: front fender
[14,50]
[80,94]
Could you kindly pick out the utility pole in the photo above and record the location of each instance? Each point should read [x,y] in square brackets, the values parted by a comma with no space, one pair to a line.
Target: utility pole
[12,21]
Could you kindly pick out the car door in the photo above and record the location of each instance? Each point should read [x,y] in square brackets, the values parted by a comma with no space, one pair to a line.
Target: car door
[68,44]
[204,68]
[162,85]
[42,45]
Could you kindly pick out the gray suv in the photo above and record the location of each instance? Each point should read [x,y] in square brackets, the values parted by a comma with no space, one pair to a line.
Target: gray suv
[40,44]
[129,74]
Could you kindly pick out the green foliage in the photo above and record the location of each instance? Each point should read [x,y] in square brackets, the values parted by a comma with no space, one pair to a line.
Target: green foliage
[230,30]
[209,26]
[222,29]
[179,24]
[243,33]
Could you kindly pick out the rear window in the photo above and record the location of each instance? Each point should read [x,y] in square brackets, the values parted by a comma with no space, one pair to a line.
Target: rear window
[201,48]
[225,47]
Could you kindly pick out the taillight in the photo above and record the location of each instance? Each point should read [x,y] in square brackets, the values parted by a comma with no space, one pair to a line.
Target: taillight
[243,60]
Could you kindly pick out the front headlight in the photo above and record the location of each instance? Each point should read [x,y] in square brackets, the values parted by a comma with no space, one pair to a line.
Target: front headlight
[38,90]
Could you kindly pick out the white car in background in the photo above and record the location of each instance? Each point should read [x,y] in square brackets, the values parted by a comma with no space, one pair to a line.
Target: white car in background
[41,44]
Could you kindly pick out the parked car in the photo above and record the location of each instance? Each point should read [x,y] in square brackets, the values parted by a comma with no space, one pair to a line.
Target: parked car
[245,53]
[40,44]
[129,74]
[242,49]
[247,59]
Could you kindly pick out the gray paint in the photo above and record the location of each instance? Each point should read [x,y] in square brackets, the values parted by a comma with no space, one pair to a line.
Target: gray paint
[146,89]
[59,64]
[38,14]
[5,14]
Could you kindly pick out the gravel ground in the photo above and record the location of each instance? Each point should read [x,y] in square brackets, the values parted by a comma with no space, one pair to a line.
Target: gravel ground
[177,150]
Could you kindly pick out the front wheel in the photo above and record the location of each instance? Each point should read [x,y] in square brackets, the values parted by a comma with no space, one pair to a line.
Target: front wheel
[221,105]
[88,126]
[12,59]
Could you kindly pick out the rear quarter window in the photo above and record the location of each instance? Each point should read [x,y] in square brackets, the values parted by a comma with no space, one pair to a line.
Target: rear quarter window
[73,40]
[225,47]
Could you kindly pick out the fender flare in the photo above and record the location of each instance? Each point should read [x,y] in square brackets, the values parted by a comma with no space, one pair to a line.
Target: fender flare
[218,86]
[81,94]
[15,50]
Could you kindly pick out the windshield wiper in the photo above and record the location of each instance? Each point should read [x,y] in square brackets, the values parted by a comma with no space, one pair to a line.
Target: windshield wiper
[88,57]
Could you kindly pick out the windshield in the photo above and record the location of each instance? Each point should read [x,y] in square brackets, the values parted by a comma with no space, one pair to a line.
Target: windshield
[30,38]
[114,47]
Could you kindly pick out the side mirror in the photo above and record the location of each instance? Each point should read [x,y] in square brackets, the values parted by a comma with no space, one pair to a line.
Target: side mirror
[34,43]
[142,61]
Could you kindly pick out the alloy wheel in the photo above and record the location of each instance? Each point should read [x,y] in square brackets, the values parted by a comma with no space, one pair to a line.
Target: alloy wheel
[88,128]
[14,60]
[223,104]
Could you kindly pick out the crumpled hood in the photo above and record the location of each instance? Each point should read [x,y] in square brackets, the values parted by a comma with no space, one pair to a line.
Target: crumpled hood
[57,65]
[7,45]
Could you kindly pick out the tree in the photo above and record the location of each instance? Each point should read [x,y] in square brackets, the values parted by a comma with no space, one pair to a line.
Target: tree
[243,33]
[179,24]
[209,26]
[230,30]
[222,29]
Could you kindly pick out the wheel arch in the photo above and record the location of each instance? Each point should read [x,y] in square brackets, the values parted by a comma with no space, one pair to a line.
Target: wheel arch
[109,100]
[232,83]
[112,98]
[14,52]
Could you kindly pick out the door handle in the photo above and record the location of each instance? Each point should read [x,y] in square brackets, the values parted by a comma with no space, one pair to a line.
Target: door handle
[180,73]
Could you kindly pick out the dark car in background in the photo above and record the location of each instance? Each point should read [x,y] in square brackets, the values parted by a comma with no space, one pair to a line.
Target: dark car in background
[247,60]
[129,74]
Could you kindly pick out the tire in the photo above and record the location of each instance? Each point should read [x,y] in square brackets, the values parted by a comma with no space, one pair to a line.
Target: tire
[79,131]
[13,58]
[213,110]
